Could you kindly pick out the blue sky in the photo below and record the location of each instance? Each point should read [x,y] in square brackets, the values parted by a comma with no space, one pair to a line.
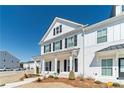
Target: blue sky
[22,27]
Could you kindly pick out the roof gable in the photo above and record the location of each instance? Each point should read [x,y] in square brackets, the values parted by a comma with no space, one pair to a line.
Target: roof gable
[66,24]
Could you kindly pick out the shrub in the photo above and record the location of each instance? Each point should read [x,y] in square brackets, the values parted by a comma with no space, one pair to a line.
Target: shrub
[82,79]
[2,84]
[56,77]
[51,76]
[22,78]
[98,82]
[116,85]
[90,78]
[39,80]
[71,76]
[25,75]
[109,84]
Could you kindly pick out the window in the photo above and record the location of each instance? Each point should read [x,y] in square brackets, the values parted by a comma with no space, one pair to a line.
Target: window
[122,8]
[57,45]
[57,30]
[48,66]
[107,67]
[71,41]
[76,65]
[47,48]
[4,60]
[102,36]
[66,65]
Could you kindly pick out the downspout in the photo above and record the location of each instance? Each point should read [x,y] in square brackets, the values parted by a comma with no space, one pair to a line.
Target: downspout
[83,33]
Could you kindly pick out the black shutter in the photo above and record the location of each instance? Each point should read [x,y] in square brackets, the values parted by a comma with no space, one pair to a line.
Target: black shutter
[60,28]
[76,65]
[54,31]
[49,47]
[53,46]
[50,66]
[75,40]
[44,48]
[60,44]
[65,42]
[65,65]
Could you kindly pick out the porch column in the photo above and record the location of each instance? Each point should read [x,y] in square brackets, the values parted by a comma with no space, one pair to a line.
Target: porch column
[55,65]
[43,66]
[71,63]
[115,67]
[35,64]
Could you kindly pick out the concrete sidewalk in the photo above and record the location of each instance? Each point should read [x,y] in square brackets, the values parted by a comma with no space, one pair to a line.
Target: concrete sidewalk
[15,84]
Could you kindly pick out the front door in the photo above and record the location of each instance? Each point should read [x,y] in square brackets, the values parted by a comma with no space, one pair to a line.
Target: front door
[58,66]
[121,67]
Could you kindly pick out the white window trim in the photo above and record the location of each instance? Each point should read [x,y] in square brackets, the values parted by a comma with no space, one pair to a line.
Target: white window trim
[101,66]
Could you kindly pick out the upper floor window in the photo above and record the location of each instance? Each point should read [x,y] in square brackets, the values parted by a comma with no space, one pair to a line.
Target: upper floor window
[57,45]
[122,8]
[102,35]
[71,41]
[47,48]
[4,60]
[57,30]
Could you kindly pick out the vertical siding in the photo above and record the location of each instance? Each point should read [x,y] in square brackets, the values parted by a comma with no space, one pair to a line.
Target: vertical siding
[122,31]
[116,32]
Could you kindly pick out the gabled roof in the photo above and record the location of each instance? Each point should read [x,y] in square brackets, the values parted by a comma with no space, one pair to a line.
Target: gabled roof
[2,52]
[113,47]
[28,62]
[64,21]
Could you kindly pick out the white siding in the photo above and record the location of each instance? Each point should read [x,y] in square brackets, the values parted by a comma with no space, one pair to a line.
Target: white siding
[122,31]
[8,60]
[65,29]
[110,34]
[116,32]
[90,39]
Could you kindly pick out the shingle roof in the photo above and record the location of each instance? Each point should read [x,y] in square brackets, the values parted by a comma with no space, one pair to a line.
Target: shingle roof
[28,62]
[113,47]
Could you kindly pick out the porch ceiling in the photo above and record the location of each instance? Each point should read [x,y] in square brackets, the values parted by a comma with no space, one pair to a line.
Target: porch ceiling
[111,50]
[59,54]
[111,53]
[113,47]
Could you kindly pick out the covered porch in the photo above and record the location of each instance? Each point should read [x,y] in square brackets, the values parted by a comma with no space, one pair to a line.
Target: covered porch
[111,62]
[60,62]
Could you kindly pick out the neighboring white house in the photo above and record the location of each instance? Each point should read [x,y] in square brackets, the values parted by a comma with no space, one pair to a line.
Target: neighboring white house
[28,65]
[92,51]
[8,61]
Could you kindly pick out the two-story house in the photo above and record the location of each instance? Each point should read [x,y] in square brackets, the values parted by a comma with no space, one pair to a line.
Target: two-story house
[8,61]
[95,51]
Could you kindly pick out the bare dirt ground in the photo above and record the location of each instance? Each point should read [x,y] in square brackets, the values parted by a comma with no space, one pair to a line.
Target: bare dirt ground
[46,85]
[12,76]
[66,83]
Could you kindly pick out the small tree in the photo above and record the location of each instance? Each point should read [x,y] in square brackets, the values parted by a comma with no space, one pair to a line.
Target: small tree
[71,76]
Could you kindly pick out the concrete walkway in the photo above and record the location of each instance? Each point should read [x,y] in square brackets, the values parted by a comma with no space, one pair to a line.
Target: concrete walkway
[16,84]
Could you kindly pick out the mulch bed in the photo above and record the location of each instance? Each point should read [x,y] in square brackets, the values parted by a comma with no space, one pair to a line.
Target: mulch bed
[86,83]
